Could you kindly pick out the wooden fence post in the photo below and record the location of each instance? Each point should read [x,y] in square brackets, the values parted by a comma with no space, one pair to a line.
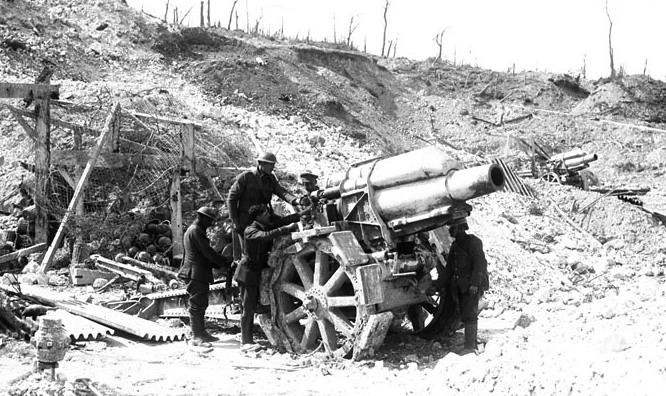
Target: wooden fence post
[111,119]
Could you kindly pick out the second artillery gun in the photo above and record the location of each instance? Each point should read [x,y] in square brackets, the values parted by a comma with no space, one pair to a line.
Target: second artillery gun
[563,168]
[370,253]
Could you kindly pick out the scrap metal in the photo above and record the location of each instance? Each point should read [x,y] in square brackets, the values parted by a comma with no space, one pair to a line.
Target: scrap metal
[125,270]
[173,303]
[143,328]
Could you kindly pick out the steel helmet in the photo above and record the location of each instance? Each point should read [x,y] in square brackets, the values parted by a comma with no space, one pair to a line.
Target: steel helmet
[267,157]
[208,212]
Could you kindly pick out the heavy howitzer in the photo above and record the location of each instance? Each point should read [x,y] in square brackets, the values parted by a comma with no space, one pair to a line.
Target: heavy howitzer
[563,168]
[368,255]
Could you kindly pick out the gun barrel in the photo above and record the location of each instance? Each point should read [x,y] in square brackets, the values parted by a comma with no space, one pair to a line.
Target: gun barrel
[413,199]
[577,153]
[582,160]
[427,162]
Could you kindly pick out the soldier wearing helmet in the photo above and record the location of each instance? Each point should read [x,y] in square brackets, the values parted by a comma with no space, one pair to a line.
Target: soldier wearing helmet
[197,270]
[255,187]
[466,278]
[259,237]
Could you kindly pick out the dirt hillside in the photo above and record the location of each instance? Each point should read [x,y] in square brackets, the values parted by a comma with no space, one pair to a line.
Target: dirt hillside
[577,278]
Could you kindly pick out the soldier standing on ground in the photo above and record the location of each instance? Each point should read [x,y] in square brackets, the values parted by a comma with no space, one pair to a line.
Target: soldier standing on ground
[197,270]
[254,187]
[259,236]
[466,278]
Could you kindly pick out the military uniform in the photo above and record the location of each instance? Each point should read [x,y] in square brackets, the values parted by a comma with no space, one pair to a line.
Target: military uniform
[466,266]
[252,188]
[197,270]
[258,243]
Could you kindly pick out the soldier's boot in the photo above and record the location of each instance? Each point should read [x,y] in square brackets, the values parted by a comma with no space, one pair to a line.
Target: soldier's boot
[205,335]
[471,330]
[197,327]
[246,324]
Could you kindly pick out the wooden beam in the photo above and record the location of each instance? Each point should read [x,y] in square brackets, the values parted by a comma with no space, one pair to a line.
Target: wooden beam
[114,138]
[177,247]
[128,144]
[168,120]
[108,126]
[67,177]
[108,160]
[187,141]
[20,91]
[122,160]
[58,123]
[23,252]
[138,121]
[42,166]
[19,118]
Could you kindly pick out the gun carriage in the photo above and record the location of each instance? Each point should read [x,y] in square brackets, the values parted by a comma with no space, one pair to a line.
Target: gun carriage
[369,253]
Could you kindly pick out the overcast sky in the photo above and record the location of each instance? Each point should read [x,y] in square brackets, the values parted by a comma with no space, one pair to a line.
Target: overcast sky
[554,35]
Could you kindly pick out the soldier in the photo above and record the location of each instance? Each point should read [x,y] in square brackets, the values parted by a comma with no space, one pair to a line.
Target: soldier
[197,270]
[259,236]
[466,278]
[309,181]
[254,187]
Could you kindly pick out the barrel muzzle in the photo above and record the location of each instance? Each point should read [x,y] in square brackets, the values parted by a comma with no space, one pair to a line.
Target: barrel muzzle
[474,182]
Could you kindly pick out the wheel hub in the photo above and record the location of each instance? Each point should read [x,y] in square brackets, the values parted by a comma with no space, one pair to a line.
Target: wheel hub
[315,302]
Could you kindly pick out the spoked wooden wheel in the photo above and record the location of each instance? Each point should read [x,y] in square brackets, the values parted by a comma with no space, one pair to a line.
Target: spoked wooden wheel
[316,302]
[552,178]
[423,318]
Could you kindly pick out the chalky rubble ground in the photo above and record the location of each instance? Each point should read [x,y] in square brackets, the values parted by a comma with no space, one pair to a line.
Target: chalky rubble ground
[569,312]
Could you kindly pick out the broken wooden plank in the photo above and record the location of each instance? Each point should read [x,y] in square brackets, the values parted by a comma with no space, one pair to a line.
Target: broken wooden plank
[127,273]
[126,270]
[23,252]
[142,148]
[111,119]
[177,247]
[109,160]
[313,232]
[42,167]
[24,124]
[107,284]
[63,172]
[486,121]
[167,120]
[21,90]
[123,160]
[155,269]
[84,276]
[518,119]
[58,122]
[187,141]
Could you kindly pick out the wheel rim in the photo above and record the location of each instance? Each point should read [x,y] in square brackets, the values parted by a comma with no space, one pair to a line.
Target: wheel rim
[552,178]
[424,318]
[316,302]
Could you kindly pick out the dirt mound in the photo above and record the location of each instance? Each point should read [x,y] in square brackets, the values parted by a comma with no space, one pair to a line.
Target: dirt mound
[635,97]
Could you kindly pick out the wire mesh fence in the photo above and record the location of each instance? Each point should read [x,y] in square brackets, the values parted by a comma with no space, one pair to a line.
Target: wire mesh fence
[127,196]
